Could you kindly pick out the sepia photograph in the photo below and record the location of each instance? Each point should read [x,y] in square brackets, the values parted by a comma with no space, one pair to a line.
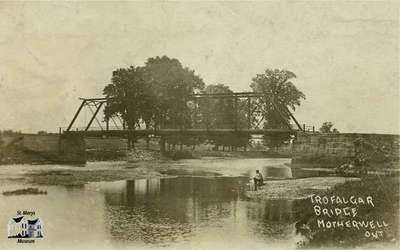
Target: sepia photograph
[195,125]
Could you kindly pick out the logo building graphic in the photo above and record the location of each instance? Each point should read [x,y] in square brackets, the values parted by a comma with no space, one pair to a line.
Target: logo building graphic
[21,227]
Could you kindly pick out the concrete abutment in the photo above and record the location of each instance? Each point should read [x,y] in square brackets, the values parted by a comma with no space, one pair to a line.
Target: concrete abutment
[65,148]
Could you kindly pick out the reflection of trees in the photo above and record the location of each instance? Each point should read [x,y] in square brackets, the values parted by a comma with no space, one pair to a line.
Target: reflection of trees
[164,210]
[273,217]
[272,210]
[280,171]
[159,210]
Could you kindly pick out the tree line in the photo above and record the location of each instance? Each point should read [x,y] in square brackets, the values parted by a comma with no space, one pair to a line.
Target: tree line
[155,96]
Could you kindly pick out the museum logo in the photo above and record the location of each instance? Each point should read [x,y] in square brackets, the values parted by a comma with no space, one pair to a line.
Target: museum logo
[25,227]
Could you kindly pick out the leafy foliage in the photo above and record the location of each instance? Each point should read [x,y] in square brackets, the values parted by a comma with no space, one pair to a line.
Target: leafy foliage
[129,96]
[154,93]
[327,128]
[281,93]
[281,90]
[221,113]
[171,83]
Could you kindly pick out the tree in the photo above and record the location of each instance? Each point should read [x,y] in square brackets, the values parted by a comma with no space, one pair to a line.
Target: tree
[171,83]
[280,93]
[327,128]
[277,86]
[220,113]
[217,112]
[154,94]
[129,97]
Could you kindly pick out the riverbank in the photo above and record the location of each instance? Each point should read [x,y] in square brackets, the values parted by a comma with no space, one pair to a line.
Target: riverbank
[318,229]
[121,170]
[81,176]
[383,190]
[296,188]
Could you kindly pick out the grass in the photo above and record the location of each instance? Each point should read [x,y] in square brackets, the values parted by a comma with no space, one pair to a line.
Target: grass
[385,193]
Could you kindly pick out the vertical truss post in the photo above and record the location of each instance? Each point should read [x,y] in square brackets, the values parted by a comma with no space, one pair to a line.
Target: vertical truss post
[76,115]
[94,116]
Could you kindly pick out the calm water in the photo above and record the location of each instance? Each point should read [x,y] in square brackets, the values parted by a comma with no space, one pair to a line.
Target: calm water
[190,211]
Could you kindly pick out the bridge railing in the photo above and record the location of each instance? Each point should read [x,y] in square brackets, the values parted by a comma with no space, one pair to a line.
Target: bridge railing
[305,128]
[91,128]
[309,128]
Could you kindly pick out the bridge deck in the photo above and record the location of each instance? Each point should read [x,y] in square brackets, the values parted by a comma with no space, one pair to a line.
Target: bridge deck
[189,132]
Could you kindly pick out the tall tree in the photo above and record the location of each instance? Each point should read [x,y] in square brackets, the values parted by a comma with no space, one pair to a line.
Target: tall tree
[171,83]
[280,93]
[129,96]
[217,112]
[220,113]
[278,86]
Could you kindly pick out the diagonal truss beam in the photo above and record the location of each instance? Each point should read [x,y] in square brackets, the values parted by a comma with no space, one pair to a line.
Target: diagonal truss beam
[252,107]
[94,116]
[76,115]
[292,116]
[280,113]
[97,120]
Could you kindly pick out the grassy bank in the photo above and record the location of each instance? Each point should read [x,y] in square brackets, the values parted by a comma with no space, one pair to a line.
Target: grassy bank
[385,194]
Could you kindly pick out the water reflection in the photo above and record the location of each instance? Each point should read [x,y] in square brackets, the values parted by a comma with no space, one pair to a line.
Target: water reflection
[163,211]
[304,173]
[285,172]
[278,172]
[209,211]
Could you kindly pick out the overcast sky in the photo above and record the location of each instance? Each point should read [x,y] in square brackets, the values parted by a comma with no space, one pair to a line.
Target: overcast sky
[345,56]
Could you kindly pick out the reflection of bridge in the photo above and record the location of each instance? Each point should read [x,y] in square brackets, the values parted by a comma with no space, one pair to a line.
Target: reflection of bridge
[249,104]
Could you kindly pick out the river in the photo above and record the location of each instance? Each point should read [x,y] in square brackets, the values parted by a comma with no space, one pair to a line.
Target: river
[196,209]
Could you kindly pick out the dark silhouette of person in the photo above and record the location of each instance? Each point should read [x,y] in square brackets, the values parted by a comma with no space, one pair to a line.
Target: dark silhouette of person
[258,180]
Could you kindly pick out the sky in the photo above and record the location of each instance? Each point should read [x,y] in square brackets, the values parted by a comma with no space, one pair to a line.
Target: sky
[345,55]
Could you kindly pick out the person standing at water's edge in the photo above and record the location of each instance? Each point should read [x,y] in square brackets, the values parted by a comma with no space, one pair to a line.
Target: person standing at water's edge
[258,179]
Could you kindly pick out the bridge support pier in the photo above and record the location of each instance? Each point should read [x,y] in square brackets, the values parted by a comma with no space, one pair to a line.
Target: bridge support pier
[64,148]
[72,148]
